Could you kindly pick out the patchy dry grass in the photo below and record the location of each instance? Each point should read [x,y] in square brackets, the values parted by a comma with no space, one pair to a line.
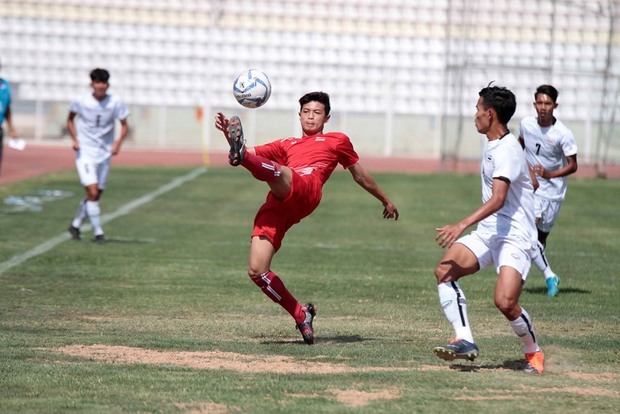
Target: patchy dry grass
[163,318]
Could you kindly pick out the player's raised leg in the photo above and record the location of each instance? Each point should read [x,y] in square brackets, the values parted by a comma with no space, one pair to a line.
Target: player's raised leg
[278,177]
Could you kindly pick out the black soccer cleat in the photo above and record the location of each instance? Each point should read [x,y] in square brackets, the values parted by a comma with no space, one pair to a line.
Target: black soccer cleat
[457,349]
[100,239]
[74,232]
[307,332]
[237,143]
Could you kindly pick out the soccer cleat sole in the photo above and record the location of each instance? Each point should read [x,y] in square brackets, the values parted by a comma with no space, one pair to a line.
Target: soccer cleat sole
[235,133]
[449,355]
[309,339]
[530,370]
[308,333]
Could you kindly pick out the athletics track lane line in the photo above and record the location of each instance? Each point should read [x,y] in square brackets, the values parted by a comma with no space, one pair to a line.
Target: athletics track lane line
[125,209]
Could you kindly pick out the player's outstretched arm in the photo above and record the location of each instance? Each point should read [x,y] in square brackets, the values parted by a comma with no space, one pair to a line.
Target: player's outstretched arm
[365,180]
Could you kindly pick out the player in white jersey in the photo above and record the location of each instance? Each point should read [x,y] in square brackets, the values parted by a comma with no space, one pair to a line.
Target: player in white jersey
[505,236]
[552,155]
[94,143]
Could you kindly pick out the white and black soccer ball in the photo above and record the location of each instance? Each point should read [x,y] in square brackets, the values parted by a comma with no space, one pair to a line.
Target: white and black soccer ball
[252,88]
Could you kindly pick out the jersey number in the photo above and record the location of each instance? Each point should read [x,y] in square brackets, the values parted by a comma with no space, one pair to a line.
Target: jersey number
[99,118]
[537,149]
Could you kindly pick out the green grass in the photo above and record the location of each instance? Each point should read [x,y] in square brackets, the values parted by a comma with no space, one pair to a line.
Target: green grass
[172,279]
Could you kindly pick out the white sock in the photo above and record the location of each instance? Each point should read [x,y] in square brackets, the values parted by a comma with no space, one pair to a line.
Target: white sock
[454,305]
[94,214]
[79,214]
[524,328]
[541,262]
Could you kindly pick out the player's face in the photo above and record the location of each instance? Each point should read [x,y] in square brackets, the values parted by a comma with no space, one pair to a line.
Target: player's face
[313,118]
[544,108]
[99,89]
[483,117]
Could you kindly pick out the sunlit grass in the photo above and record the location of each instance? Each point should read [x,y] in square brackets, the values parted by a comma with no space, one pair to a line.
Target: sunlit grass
[173,279]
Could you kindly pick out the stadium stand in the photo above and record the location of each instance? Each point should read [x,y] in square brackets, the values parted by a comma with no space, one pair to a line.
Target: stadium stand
[413,63]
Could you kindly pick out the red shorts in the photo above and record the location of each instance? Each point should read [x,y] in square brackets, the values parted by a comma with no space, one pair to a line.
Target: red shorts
[275,217]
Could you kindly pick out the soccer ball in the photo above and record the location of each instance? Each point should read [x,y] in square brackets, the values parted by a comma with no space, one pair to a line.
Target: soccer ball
[252,88]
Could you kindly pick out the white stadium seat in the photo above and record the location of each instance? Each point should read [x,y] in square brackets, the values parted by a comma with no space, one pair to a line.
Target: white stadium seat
[165,49]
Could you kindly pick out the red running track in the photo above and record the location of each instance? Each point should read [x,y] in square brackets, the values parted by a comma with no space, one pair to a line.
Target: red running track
[39,159]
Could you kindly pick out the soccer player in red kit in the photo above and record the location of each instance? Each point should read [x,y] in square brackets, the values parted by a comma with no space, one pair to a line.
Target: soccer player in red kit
[295,170]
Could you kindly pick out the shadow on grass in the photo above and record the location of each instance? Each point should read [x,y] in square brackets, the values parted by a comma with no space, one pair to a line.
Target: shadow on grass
[324,340]
[514,365]
[342,339]
[543,291]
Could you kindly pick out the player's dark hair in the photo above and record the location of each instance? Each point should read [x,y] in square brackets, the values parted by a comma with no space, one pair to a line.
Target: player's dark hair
[99,75]
[501,99]
[547,90]
[321,97]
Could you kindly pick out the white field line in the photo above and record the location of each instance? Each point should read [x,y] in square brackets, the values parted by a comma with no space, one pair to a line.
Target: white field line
[125,209]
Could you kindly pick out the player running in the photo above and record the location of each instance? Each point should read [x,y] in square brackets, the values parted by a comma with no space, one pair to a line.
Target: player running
[505,236]
[94,144]
[552,155]
[295,170]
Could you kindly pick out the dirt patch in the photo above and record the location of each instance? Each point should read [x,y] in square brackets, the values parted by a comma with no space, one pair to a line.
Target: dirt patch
[434,368]
[207,408]
[211,360]
[604,377]
[587,391]
[524,392]
[238,362]
[491,397]
[355,398]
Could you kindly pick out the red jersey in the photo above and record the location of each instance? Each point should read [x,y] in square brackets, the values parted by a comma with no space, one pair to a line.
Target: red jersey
[315,155]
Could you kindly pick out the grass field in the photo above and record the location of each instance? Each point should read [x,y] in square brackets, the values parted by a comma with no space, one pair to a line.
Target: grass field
[163,318]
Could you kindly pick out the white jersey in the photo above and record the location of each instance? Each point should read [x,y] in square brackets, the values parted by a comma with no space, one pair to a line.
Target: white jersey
[549,147]
[505,157]
[95,125]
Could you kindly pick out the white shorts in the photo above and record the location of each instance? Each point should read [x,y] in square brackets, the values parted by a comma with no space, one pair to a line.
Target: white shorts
[546,212]
[92,172]
[500,250]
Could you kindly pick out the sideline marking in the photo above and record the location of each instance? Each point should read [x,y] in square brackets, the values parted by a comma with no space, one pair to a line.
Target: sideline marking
[127,208]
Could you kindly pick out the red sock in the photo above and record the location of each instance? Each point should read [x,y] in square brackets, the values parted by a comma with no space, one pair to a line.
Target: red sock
[272,286]
[262,168]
